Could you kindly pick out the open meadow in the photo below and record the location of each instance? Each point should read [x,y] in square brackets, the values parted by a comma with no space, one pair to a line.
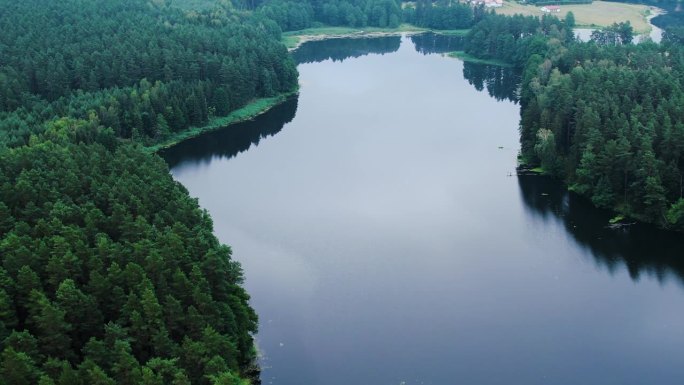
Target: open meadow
[597,14]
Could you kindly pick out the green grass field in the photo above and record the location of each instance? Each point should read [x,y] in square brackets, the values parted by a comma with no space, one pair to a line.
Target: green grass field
[597,14]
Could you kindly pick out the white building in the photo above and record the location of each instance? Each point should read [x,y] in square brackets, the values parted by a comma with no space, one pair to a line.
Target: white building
[551,8]
[487,3]
[493,3]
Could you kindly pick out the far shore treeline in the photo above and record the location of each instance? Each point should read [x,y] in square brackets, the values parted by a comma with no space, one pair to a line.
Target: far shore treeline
[111,273]
[294,15]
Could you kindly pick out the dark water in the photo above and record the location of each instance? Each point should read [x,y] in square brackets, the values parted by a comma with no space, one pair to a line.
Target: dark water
[385,243]
[427,43]
[673,16]
[318,51]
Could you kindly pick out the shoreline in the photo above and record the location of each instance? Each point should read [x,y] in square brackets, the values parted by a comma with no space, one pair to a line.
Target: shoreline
[460,55]
[295,39]
[654,12]
[302,39]
[250,111]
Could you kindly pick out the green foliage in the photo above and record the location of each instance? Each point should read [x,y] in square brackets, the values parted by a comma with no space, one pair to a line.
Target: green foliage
[618,33]
[616,219]
[249,111]
[469,58]
[105,318]
[515,39]
[444,14]
[545,149]
[675,215]
[570,20]
[604,115]
[290,15]
[109,271]
[296,15]
[17,368]
[226,378]
[146,70]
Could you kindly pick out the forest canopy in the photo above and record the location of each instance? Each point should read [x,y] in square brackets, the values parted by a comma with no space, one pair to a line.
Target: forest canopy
[605,115]
[294,15]
[110,271]
[144,69]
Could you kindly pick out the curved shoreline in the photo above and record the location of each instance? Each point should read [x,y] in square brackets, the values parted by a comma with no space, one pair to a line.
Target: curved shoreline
[655,12]
[248,112]
[327,33]
[352,35]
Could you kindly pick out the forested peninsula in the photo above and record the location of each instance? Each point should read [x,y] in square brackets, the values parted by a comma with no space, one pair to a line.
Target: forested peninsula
[606,116]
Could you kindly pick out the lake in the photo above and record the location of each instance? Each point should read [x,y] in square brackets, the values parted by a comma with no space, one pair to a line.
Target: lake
[386,239]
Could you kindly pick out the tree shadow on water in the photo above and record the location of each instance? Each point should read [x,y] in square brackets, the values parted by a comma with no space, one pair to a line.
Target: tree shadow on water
[234,139]
[433,43]
[640,248]
[345,48]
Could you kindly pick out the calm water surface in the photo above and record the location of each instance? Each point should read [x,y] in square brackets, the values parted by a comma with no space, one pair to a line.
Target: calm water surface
[385,242]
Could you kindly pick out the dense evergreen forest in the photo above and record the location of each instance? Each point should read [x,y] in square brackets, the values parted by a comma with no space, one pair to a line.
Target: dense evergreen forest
[294,15]
[605,115]
[110,272]
[143,69]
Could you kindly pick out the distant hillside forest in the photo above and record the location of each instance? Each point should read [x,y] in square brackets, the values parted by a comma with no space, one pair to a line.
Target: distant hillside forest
[292,15]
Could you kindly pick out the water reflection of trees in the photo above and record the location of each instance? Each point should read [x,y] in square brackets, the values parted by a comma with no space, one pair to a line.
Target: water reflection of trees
[232,140]
[502,83]
[345,48]
[430,43]
[641,249]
